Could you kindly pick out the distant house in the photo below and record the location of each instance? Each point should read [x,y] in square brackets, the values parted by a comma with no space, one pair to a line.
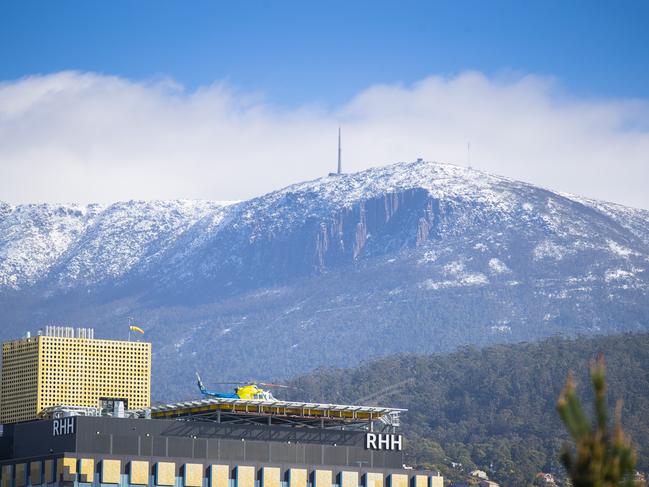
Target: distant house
[545,479]
[480,474]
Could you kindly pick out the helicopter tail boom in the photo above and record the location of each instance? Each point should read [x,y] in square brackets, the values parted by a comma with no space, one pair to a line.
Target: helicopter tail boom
[207,392]
[201,386]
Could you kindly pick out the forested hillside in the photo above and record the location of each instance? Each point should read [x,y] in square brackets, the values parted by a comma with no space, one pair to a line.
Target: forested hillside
[494,408]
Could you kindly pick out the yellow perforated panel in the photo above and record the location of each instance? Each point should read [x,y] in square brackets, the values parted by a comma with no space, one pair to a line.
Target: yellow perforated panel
[87,470]
[322,478]
[71,464]
[111,471]
[399,480]
[193,475]
[270,477]
[219,476]
[376,480]
[421,481]
[36,473]
[297,477]
[165,473]
[68,469]
[348,479]
[437,481]
[19,383]
[139,474]
[245,476]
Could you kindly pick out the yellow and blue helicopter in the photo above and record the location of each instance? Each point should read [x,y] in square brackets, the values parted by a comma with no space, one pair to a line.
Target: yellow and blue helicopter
[247,390]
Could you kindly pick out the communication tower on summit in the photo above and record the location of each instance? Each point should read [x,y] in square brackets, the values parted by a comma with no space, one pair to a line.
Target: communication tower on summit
[340,160]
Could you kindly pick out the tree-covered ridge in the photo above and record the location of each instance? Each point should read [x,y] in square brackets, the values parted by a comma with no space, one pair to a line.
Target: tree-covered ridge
[495,408]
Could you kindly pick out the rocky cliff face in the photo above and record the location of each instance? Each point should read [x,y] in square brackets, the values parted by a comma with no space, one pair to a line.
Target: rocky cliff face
[385,223]
[410,257]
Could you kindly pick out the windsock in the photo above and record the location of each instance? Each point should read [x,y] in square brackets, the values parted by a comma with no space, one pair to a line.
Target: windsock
[136,328]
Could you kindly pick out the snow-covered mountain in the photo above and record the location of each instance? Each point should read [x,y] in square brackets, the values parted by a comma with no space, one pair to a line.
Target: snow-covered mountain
[410,257]
[69,246]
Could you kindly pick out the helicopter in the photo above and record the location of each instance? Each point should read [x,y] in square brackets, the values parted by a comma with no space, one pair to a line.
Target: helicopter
[247,390]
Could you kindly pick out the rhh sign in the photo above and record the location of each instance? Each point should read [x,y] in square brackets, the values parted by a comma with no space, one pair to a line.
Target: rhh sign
[63,426]
[383,441]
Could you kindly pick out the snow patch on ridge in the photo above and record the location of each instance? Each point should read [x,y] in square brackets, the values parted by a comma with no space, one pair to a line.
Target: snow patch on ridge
[458,276]
[620,250]
[549,249]
[496,266]
[617,275]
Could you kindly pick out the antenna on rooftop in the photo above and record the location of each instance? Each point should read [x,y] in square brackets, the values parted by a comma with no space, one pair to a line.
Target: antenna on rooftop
[340,162]
[468,154]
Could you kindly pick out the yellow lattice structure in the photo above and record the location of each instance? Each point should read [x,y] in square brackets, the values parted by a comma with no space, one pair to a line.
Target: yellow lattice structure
[45,371]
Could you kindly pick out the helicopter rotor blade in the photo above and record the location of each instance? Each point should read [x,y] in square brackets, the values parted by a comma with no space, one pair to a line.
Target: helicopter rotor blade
[253,382]
[281,386]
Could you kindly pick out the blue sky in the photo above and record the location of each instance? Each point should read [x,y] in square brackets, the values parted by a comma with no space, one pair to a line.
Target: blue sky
[228,100]
[325,52]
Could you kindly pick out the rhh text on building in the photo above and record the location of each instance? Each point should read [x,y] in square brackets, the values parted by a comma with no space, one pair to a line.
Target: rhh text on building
[383,441]
[63,426]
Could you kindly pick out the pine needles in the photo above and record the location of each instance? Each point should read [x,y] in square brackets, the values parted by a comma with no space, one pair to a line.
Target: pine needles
[601,458]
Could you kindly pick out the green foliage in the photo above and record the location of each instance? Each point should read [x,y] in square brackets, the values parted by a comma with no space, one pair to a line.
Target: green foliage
[602,458]
[493,408]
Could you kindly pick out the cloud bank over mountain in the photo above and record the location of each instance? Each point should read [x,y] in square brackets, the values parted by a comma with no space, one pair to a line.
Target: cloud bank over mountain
[89,137]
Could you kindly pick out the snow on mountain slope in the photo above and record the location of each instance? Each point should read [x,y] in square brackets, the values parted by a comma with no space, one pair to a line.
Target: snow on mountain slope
[329,205]
[34,237]
[412,257]
[633,219]
[320,197]
[333,221]
[126,236]
[329,221]
[84,245]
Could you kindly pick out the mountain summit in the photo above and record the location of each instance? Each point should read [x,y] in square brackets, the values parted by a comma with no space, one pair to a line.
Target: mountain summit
[409,257]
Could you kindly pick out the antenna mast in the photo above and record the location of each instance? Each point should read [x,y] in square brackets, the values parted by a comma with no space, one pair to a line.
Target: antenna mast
[340,163]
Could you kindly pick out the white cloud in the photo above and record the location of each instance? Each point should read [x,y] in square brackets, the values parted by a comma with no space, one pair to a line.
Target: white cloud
[88,137]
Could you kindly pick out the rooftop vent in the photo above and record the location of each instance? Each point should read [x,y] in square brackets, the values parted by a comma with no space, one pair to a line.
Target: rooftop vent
[69,332]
